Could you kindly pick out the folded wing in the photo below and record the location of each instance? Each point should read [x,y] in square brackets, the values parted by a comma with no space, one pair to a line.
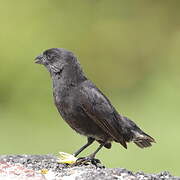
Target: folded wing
[100,110]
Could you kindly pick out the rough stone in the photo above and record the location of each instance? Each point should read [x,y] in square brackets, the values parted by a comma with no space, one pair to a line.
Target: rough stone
[46,167]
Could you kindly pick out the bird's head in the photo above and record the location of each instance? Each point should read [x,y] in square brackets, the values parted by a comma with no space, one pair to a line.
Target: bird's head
[55,59]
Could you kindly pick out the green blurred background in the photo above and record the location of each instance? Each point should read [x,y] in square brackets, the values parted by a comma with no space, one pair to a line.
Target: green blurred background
[130,49]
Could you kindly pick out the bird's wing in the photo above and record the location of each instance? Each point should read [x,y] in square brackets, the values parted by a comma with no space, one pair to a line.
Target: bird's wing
[100,110]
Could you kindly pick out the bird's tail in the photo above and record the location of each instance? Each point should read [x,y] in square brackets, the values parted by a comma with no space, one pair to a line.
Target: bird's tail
[142,139]
[133,133]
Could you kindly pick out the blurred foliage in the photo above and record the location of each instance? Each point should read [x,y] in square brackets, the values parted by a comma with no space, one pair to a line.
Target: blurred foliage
[130,49]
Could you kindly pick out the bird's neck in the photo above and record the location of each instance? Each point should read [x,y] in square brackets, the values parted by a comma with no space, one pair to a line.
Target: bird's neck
[66,80]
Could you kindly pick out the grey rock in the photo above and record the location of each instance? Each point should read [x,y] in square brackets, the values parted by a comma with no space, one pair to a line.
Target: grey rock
[56,171]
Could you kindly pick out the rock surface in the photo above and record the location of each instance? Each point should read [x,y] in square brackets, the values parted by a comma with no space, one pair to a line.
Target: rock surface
[45,167]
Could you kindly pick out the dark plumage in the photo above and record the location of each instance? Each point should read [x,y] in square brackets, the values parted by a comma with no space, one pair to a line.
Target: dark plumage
[84,107]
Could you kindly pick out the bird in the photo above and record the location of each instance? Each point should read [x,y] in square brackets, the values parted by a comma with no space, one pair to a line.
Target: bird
[85,108]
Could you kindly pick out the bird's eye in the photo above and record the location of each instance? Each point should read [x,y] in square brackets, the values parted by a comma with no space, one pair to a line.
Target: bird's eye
[49,57]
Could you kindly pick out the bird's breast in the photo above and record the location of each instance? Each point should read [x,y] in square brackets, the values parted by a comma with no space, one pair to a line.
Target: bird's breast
[72,112]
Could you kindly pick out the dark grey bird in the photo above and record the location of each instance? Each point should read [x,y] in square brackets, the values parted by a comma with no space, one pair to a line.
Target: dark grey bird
[84,107]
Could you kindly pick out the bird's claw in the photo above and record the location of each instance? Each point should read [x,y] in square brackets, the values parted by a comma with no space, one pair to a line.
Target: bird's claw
[89,160]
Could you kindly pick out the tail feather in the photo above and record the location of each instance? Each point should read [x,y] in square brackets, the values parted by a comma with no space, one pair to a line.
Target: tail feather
[143,140]
[133,133]
[143,144]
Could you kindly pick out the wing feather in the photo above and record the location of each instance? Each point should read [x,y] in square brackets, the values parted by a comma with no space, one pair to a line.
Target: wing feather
[100,110]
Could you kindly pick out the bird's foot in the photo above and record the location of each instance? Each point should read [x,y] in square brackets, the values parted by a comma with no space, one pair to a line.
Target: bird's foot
[89,160]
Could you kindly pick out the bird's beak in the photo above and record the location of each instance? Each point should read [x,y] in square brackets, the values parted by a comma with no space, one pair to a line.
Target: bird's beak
[39,59]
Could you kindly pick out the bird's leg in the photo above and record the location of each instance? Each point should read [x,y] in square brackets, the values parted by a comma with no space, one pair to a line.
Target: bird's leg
[90,141]
[70,159]
[91,158]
